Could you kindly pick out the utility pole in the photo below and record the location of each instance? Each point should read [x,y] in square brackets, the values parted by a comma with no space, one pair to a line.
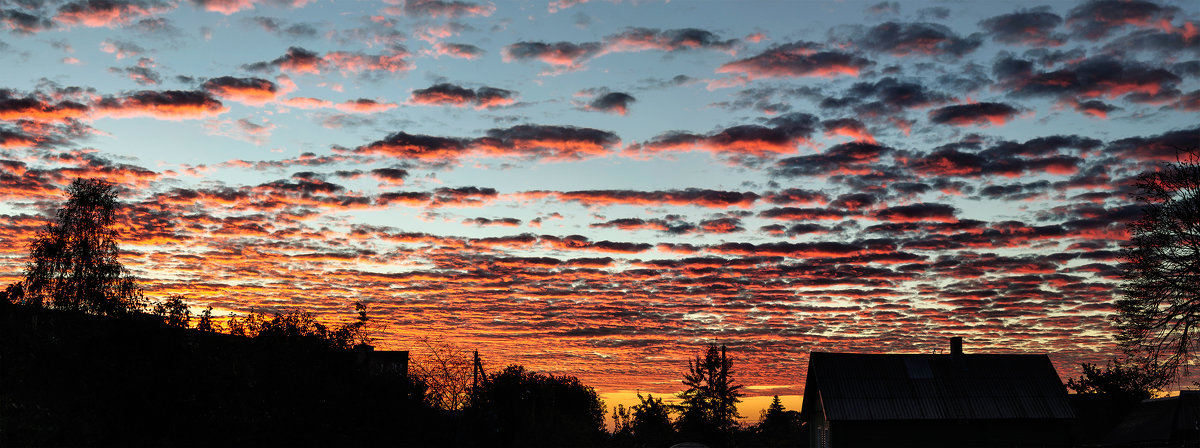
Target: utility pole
[476,376]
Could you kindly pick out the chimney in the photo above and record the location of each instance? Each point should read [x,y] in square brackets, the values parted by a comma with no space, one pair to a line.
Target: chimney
[956,346]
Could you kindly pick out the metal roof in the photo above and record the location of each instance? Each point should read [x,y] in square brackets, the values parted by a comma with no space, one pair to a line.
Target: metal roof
[859,386]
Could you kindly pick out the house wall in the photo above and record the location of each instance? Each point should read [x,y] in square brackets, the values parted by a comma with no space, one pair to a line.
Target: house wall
[940,433]
[819,431]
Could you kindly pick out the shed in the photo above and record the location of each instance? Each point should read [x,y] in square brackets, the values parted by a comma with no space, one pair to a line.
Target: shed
[1160,422]
[955,399]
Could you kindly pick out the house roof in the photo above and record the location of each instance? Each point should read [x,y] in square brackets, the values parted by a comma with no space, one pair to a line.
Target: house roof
[857,386]
[1159,420]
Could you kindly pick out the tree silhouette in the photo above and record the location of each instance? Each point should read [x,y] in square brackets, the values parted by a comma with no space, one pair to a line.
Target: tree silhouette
[206,323]
[73,261]
[708,408]
[1127,383]
[536,409]
[778,427]
[622,423]
[651,422]
[446,370]
[296,329]
[13,293]
[174,312]
[1159,310]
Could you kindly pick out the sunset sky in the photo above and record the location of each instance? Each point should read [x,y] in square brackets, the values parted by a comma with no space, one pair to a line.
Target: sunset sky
[600,188]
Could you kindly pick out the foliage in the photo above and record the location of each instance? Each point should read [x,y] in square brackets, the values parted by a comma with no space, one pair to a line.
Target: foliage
[778,427]
[622,424]
[13,293]
[651,422]
[1126,382]
[206,323]
[537,409]
[174,312]
[362,330]
[708,408]
[446,370]
[296,328]
[1159,311]
[73,261]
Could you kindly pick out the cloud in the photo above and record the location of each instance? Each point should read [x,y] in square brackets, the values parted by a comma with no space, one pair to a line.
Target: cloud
[670,225]
[408,198]
[454,95]
[1004,160]
[107,13]
[612,102]
[903,39]
[547,142]
[854,202]
[565,55]
[463,196]
[722,225]
[1095,77]
[460,51]
[524,141]
[1163,147]
[885,97]
[395,60]
[1166,40]
[979,114]
[23,22]
[642,39]
[252,91]
[1033,28]
[10,138]
[793,196]
[558,5]
[884,8]
[489,222]
[225,7]
[845,158]
[33,107]
[165,104]
[390,176]
[403,145]
[1097,19]
[782,135]
[228,7]
[690,196]
[450,9]
[848,127]
[364,106]
[242,129]
[803,214]
[796,250]
[307,103]
[917,212]
[570,56]
[142,74]
[577,242]
[797,59]
[299,60]
[284,29]
[1189,102]
[1095,108]
[295,60]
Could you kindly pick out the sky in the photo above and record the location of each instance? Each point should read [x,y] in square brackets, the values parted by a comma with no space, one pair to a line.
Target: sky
[602,188]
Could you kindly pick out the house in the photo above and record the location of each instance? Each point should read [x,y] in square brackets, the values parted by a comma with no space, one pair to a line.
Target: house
[952,400]
[1160,422]
[382,362]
